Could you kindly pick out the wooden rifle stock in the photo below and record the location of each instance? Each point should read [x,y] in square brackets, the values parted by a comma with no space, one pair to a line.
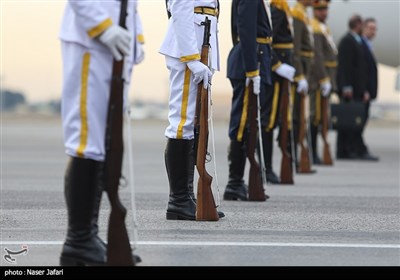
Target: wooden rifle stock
[327,159]
[305,164]
[286,163]
[205,206]
[256,188]
[118,247]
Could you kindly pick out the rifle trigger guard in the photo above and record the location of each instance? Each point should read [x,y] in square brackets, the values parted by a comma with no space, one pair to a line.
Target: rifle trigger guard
[208,157]
[123,182]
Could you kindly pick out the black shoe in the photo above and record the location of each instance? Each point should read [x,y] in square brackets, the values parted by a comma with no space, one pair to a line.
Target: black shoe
[272,178]
[317,160]
[181,215]
[368,156]
[236,192]
[347,156]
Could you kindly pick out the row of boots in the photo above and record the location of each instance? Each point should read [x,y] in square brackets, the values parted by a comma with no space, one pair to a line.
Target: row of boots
[83,189]
[236,189]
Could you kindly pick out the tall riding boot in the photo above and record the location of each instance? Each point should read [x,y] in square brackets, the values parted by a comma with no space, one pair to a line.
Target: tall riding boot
[179,165]
[314,146]
[82,245]
[236,189]
[95,226]
[267,138]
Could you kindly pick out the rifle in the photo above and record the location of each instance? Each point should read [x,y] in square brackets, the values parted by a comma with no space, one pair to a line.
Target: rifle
[256,182]
[205,206]
[305,164]
[286,163]
[327,159]
[118,248]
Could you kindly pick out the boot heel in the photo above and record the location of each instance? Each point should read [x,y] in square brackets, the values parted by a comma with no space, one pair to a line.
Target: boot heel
[68,261]
[229,196]
[172,216]
[176,216]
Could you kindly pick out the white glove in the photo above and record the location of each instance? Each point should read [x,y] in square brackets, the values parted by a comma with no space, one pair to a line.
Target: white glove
[326,88]
[118,40]
[286,71]
[302,86]
[200,72]
[256,84]
[139,54]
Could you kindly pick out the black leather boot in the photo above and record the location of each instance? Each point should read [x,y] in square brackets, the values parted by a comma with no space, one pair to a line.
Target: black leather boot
[314,146]
[267,138]
[179,165]
[95,226]
[236,189]
[82,245]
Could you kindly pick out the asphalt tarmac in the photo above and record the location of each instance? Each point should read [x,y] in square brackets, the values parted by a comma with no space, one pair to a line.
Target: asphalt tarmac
[345,215]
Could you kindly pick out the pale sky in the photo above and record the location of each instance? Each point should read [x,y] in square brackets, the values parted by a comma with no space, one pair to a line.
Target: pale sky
[31,56]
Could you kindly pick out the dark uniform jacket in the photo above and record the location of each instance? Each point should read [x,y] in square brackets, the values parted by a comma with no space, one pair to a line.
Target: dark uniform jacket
[282,46]
[352,67]
[303,45]
[252,37]
[324,62]
[372,83]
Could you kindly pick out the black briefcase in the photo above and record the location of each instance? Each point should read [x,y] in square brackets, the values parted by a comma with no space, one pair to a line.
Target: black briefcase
[348,116]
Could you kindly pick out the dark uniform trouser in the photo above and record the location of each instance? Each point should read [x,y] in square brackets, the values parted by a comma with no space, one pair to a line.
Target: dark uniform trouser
[273,118]
[295,100]
[315,99]
[296,108]
[273,101]
[238,117]
[236,189]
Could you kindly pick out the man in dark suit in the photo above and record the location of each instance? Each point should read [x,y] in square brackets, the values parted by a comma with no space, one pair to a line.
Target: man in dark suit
[352,79]
[369,32]
[249,60]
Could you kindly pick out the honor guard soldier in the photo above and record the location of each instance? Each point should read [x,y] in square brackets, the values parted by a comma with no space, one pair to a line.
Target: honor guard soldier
[249,60]
[282,52]
[323,70]
[91,39]
[302,58]
[181,48]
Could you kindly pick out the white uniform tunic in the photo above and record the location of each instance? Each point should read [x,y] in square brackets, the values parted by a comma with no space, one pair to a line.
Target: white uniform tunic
[182,44]
[87,67]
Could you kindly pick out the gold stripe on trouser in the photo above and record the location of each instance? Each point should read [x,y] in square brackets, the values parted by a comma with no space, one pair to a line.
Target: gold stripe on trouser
[185,100]
[243,118]
[317,118]
[292,94]
[83,105]
[274,106]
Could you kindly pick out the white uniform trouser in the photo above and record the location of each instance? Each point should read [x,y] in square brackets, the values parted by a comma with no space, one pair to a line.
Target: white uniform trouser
[84,104]
[182,100]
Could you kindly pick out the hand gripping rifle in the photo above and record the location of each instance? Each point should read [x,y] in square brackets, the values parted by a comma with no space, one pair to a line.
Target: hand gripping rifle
[118,248]
[256,173]
[286,163]
[305,164]
[327,159]
[205,207]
